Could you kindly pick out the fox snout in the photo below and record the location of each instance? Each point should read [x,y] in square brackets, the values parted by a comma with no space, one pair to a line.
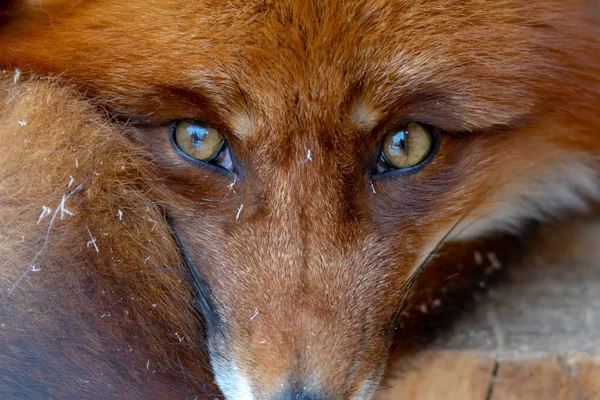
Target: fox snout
[270,371]
[296,296]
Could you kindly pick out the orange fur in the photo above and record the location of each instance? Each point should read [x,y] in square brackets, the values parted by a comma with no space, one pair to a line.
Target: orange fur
[305,257]
[103,316]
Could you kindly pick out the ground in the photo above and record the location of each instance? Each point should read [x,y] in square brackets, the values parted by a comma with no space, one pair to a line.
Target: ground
[534,334]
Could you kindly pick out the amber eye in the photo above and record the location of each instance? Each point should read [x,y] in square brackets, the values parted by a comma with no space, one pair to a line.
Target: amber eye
[406,147]
[198,140]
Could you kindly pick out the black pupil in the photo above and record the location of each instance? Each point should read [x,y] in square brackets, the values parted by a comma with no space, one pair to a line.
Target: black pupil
[196,139]
[399,142]
[197,133]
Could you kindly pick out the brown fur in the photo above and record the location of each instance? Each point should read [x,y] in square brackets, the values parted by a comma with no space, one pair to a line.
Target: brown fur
[308,276]
[77,322]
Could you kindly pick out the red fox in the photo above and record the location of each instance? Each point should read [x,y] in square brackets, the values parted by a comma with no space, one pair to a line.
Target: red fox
[248,189]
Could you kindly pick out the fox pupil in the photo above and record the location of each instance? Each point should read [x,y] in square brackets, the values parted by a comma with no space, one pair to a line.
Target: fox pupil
[399,142]
[197,134]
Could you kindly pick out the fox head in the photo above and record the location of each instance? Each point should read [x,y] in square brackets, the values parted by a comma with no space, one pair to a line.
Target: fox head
[313,155]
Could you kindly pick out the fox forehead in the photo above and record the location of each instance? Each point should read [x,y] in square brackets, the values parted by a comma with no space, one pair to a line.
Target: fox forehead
[450,64]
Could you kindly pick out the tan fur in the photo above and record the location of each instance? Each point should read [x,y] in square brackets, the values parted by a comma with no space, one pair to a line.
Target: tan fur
[103,316]
[305,255]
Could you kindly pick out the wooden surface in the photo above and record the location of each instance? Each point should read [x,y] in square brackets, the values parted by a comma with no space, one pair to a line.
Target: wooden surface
[468,376]
[536,335]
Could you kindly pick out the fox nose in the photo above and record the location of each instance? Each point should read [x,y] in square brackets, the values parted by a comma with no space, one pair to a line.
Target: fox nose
[301,395]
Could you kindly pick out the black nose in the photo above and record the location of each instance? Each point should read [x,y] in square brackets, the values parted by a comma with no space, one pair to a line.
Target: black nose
[301,395]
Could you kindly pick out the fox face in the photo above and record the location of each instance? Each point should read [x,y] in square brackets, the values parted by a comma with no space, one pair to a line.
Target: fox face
[313,156]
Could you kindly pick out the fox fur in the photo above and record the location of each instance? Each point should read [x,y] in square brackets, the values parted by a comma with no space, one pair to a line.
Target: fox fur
[127,272]
[91,277]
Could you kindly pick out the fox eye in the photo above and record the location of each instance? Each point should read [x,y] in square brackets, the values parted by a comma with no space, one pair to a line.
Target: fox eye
[199,141]
[405,148]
